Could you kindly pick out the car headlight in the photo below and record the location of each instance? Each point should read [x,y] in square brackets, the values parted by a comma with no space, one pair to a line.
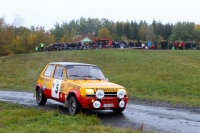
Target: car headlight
[100,94]
[121,93]
[89,91]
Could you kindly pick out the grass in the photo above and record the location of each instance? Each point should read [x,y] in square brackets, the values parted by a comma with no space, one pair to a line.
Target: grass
[19,119]
[147,74]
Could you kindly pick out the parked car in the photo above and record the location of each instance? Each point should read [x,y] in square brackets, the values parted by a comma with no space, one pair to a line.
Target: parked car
[79,86]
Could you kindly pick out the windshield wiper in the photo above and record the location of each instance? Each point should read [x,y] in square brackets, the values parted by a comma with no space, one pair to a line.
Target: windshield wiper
[73,76]
[90,76]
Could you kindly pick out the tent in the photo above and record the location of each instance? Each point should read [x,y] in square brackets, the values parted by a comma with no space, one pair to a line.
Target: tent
[86,39]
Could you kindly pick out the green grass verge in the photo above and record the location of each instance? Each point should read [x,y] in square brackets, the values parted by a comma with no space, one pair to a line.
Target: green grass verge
[147,74]
[19,119]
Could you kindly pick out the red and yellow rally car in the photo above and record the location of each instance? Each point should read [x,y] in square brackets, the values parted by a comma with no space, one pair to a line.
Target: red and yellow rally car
[79,86]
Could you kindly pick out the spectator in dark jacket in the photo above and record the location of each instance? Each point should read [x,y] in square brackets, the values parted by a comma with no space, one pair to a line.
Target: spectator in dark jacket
[194,46]
[155,44]
[162,44]
[165,44]
[170,45]
[186,45]
[131,43]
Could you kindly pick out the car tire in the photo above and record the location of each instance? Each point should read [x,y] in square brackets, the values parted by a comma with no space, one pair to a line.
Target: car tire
[119,110]
[40,98]
[73,106]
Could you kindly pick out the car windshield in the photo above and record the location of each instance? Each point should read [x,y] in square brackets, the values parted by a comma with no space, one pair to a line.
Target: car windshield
[84,72]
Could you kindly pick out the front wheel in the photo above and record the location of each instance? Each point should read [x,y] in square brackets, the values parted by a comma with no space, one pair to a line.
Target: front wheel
[40,98]
[119,110]
[73,106]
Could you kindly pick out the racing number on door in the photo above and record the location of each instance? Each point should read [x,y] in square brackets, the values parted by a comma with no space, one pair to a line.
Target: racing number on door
[56,88]
[56,91]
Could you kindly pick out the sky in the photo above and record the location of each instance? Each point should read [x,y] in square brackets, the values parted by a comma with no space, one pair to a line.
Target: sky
[49,12]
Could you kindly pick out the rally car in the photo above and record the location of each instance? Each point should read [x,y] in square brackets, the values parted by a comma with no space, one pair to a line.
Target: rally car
[79,86]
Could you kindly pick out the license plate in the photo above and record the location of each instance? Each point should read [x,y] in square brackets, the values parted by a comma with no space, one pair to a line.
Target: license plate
[108,105]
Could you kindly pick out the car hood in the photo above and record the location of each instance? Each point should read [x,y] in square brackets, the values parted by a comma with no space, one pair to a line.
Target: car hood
[98,84]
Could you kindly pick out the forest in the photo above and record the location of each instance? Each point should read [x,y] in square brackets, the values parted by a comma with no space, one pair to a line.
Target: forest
[17,39]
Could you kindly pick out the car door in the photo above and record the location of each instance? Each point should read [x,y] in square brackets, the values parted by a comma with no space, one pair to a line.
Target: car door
[59,82]
[47,80]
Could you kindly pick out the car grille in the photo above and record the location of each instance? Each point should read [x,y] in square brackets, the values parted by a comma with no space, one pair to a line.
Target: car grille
[106,94]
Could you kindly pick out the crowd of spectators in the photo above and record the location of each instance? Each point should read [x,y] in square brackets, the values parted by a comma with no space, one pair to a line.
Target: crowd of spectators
[164,45]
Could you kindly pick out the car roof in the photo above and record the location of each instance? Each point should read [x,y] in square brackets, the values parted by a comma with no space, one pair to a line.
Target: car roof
[70,63]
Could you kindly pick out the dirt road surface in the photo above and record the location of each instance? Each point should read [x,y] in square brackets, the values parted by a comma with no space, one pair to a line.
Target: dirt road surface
[164,119]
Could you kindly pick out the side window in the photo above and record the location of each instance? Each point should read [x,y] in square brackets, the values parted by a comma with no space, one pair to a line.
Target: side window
[59,73]
[49,71]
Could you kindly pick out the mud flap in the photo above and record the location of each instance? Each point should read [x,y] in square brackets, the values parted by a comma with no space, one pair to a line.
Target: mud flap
[66,101]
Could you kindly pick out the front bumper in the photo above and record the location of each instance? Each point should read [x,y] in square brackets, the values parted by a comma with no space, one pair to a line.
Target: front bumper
[106,103]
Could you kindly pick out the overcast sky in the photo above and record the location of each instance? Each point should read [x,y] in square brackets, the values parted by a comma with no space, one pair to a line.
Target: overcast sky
[47,12]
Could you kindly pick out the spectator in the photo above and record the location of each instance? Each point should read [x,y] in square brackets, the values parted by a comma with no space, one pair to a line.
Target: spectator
[55,46]
[140,44]
[194,46]
[145,43]
[181,45]
[152,47]
[143,46]
[155,44]
[162,44]
[100,45]
[122,45]
[170,45]
[175,45]
[94,45]
[149,44]
[36,48]
[165,44]
[42,46]
[186,45]
[126,44]
[59,46]
[131,43]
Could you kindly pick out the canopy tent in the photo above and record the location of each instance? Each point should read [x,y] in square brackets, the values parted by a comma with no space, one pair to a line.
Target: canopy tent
[86,39]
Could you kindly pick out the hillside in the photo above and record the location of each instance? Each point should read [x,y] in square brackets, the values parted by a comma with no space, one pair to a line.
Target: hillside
[147,74]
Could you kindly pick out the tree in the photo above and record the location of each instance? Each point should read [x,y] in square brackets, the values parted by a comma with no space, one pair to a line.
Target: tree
[57,32]
[183,31]
[6,36]
[2,38]
[128,30]
[66,38]
[104,33]
[150,35]
[135,30]
[197,30]
[107,24]
[143,31]
[167,30]
[120,28]
[115,37]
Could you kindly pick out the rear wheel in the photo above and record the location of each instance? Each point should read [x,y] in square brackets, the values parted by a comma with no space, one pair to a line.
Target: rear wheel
[73,106]
[40,98]
[119,110]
